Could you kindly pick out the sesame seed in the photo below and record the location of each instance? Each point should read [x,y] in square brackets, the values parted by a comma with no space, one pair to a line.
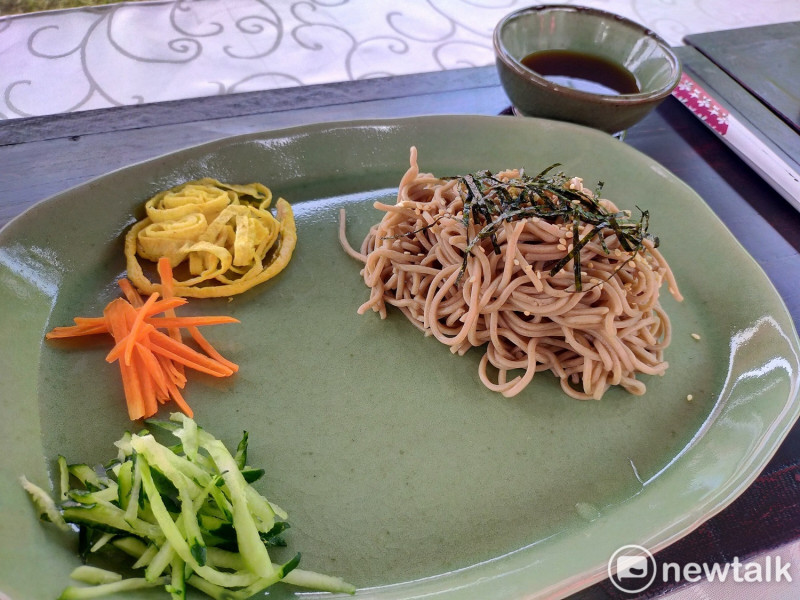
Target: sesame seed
[696,336]
[689,398]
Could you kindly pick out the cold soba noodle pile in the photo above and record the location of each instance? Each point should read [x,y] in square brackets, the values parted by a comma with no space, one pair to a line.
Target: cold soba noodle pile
[489,260]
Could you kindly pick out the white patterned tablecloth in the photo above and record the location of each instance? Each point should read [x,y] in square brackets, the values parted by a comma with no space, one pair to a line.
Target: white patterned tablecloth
[130,53]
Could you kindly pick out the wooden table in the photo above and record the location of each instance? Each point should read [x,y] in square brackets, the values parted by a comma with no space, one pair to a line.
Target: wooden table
[42,156]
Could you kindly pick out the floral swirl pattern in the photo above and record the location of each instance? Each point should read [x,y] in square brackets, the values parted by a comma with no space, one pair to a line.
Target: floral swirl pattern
[130,53]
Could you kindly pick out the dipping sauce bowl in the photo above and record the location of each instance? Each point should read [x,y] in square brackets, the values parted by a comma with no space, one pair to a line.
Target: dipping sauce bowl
[583,65]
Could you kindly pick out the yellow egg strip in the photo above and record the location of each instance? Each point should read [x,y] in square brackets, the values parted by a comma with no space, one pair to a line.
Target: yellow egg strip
[218,232]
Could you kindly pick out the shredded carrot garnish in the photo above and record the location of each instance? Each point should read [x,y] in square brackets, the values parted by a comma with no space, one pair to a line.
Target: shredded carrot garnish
[149,348]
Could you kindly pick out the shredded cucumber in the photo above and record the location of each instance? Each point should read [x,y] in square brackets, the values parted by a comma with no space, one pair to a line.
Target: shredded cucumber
[185,514]
[63,477]
[104,590]
[94,575]
[48,510]
[177,587]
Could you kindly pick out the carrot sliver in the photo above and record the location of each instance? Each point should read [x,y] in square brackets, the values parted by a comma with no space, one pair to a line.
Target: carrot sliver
[154,369]
[160,340]
[147,384]
[165,275]
[135,333]
[121,347]
[159,306]
[89,321]
[177,397]
[130,293]
[75,331]
[165,304]
[149,348]
[216,370]
[168,291]
[210,350]
[183,354]
[114,314]
[116,319]
[96,325]
[173,372]
[183,322]
[133,392]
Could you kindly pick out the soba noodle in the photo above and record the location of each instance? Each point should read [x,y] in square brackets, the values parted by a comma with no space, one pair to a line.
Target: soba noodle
[595,330]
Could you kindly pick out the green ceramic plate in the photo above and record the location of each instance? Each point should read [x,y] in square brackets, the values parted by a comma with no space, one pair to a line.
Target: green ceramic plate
[401,473]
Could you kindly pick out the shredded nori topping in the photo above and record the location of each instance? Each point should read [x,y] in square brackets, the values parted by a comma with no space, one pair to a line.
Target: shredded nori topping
[490,201]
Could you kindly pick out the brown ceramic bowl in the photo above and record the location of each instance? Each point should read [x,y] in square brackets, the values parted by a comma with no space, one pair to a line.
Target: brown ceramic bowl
[584,31]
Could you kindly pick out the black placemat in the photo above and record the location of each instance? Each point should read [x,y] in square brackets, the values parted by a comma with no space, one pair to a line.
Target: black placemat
[765,60]
[746,108]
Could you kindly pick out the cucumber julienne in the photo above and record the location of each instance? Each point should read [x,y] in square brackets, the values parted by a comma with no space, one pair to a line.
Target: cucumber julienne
[186,514]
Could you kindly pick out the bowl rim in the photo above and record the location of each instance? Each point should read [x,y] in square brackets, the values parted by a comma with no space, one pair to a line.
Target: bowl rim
[501,52]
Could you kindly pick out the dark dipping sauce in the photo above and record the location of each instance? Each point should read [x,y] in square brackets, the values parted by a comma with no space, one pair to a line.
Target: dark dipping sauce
[583,72]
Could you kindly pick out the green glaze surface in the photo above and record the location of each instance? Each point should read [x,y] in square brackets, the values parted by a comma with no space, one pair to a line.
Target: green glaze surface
[399,470]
